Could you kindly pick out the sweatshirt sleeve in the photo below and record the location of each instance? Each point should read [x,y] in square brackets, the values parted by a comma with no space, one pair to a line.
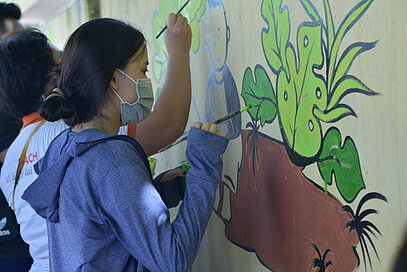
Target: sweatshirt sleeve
[141,221]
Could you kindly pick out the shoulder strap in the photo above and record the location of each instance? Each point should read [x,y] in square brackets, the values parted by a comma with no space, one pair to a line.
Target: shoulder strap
[131,141]
[137,147]
[22,159]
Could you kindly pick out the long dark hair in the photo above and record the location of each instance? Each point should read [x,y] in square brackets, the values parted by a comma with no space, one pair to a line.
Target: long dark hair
[91,55]
[26,64]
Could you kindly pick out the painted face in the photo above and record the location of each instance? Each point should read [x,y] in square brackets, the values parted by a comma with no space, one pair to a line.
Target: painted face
[136,69]
[218,36]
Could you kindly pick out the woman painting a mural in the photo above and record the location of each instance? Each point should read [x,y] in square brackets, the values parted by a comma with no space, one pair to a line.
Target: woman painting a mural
[99,186]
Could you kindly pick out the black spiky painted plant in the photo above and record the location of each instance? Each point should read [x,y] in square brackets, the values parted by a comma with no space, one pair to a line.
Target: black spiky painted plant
[364,228]
[321,262]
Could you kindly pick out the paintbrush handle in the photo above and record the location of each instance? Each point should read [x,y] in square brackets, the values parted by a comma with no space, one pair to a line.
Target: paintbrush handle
[179,11]
[227,117]
[223,119]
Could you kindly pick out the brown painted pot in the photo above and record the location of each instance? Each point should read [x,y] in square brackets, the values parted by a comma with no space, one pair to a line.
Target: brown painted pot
[284,217]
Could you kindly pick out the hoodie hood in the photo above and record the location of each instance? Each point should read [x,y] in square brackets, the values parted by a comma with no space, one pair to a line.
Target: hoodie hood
[43,193]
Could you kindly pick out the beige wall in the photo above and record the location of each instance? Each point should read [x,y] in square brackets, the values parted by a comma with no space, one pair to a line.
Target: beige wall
[379,132]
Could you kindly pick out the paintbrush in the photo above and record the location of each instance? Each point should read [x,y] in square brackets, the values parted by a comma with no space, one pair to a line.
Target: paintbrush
[221,120]
[179,11]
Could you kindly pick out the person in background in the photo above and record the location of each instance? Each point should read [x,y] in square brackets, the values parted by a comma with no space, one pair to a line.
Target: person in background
[14,254]
[10,15]
[25,75]
[95,189]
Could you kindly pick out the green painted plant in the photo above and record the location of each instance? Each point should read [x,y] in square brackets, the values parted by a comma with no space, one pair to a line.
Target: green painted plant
[193,11]
[311,81]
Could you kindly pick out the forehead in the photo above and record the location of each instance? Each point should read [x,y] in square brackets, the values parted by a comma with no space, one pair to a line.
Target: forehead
[141,56]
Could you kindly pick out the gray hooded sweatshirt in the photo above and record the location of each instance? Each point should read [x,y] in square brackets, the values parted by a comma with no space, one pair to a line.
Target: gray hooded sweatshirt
[103,212]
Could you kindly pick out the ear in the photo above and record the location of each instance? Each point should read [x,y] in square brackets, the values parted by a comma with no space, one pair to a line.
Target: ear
[114,81]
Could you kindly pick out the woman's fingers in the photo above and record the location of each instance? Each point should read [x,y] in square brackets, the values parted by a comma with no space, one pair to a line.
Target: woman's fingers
[198,125]
[178,35]
[172,174]
[212,128]
[172,19]
[206,126]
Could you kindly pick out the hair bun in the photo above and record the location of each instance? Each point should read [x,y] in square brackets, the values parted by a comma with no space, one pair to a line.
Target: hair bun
[56,107]
[56,92]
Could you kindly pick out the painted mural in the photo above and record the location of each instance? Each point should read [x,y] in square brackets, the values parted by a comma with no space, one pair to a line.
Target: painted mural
[268,205]
[222,97]
[291,222]
[193,12]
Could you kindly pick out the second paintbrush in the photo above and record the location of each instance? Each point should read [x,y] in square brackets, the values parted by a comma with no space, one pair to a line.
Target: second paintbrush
[221,120]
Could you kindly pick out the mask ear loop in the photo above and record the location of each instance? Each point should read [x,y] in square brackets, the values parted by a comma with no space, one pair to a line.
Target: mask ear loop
[135,83]
[118,96]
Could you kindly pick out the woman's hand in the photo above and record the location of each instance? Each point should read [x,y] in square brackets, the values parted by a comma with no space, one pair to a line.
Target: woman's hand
[172,174]
[178,35]
[206,126]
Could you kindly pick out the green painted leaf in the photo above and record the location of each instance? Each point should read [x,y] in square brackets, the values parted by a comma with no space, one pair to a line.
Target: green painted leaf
[348,57]
[301,91]
[311,10]
[160,56]
[348,84]
[159,63]
[329,25]
[275,36]
[258,92]
[351,18]
[267,112]
[193,11]
[197,10]
[335,114]
[341,163]
[197,31]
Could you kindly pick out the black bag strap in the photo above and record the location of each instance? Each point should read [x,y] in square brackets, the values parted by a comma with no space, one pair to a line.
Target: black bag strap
[131,141]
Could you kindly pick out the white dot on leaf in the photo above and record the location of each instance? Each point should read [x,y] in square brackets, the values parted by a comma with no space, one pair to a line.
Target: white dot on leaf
[311,125]
[318,92]
[306,41]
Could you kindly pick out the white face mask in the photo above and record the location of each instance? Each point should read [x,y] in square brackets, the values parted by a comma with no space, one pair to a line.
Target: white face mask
[136,112]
